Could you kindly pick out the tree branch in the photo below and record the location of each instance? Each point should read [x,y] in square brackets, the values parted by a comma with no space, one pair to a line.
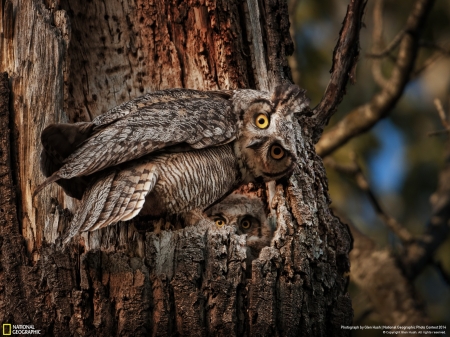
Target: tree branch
[377,40]
[419,253]
[428,62]
[432,45]
[355,170]
[440,109]
[345,57]
[385,52]
[364,117]
[441,112]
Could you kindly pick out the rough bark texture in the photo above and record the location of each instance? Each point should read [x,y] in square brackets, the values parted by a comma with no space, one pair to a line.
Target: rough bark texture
[72,60]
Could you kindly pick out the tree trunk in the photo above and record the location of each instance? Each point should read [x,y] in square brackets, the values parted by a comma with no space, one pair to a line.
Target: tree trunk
[71,60]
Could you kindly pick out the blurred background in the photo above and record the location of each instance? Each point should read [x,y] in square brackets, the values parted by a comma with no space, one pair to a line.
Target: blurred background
[398,156]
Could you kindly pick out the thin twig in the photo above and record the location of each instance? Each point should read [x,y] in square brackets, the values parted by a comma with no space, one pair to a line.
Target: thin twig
[426,64]
[433,45]
[355,170]
[443,117]
[394,44]
[420,253]
[436,133]
[377,37]
[440,109]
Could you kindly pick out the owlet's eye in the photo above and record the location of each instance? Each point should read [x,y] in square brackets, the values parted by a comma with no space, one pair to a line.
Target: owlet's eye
[246,224]
[277,152]
[220,222]
[262,121]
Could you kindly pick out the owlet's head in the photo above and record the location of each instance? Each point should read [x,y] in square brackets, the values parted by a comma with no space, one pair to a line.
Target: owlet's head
[266,139]
[247,214]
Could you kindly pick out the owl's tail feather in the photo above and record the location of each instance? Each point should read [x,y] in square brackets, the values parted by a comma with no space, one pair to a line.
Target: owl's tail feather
[54,177]
[115,196]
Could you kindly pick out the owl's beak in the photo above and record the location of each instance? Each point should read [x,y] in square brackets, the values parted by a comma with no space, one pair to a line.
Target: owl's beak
[255,142]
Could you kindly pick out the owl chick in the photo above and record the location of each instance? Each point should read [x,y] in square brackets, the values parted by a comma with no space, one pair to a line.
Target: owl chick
[171,151]
[248,215]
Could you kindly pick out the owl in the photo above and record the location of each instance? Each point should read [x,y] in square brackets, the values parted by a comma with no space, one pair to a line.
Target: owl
[171,151]
[248,215]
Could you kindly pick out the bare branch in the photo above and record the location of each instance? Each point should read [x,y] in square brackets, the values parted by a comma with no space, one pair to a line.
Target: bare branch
[426,64]
[438,132]
[377,37]
[377,34]
[355,170]
[442,116]
[365,116]
[441,112]
[432,45]
[394,44]
[345,57]
[419,253]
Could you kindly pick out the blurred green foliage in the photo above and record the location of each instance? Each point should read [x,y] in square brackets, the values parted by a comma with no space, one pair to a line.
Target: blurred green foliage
[398,152]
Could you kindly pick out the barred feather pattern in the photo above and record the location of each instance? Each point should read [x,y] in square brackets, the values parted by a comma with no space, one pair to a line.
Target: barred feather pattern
[193,179]
[151,129]
[89,211]
[173,183]
[156,97]
[127,194]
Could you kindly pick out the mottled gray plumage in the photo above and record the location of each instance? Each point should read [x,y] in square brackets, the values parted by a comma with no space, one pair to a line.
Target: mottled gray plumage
[247,214]
[171,151]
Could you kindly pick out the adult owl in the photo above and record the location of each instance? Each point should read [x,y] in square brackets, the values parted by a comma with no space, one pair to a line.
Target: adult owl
[247,214]
[171,151]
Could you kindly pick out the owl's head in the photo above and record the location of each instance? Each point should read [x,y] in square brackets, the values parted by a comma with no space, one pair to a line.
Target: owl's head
[248,216]
[266,139]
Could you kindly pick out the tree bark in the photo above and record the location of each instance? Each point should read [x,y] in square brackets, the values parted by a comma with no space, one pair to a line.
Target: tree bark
[69,61]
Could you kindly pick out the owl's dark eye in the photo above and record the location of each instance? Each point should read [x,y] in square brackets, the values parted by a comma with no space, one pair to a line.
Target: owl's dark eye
[262,121]
[277,152]
[220,222]
[246,224]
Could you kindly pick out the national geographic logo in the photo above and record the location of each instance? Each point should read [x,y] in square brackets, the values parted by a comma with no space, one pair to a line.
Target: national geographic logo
[7,329]
[14,329]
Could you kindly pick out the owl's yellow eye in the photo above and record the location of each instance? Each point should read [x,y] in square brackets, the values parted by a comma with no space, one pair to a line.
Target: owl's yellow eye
[246,224]
[262,121]
[220,222]
[276,152]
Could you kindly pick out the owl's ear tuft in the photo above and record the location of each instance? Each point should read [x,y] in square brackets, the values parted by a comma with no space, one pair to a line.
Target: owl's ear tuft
[289,98]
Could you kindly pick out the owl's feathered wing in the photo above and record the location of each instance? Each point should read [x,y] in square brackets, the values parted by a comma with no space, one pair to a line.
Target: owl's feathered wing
[118,194]
[177,117]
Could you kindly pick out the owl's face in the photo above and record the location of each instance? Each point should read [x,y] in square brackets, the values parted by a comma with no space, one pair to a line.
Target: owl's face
[248,216]
[266,143]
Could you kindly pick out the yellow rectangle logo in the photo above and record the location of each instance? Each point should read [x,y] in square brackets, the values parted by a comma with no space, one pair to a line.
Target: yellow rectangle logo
[7,329]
